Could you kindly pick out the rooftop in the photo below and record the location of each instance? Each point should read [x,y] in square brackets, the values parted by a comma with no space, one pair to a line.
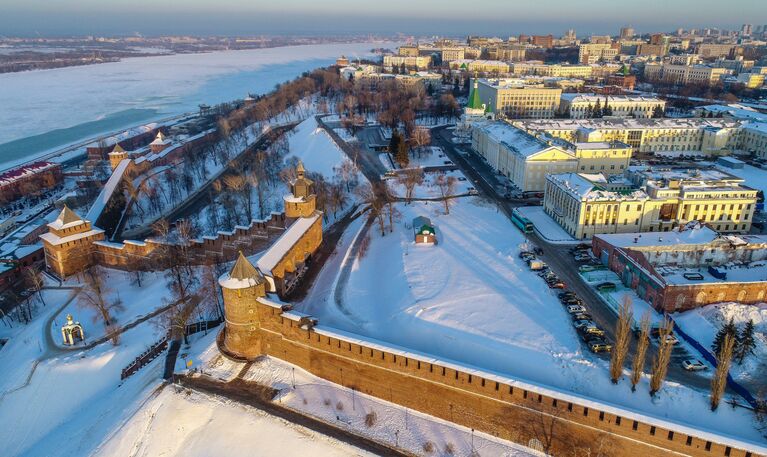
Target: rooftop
[517,140]
[592,98]
[285,242]
[584,186]
[692,234]
[625,123]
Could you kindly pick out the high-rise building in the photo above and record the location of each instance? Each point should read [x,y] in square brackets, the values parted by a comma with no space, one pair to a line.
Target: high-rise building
[746,30]
[626,33]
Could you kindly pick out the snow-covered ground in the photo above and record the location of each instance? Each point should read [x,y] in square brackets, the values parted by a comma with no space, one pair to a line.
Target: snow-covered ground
[52,108]
[545,225]
[428,189]
[755,178]
[120,286]
[368,416]
[703,324]
[311,144]
[184,423]
[470,299]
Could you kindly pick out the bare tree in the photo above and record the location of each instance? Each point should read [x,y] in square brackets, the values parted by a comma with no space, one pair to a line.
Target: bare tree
[643,341]
[34,279]
[719,381]
[95,295]
[446,185]
[409,179]
[662,358]
[622,339]
[368,196]
[421,137]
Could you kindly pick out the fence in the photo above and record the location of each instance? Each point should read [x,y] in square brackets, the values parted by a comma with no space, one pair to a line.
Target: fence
[202,326]
[706,354]
[144,358]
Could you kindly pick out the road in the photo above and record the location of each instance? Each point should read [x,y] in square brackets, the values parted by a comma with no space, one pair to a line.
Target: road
[558,258]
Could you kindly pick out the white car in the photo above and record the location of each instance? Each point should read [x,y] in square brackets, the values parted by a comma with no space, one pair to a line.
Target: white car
[671,339]
[694,365]
[573,309]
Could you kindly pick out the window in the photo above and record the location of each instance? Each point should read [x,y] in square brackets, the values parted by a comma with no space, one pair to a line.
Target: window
[670,435]
[689,441]
[585,411]
[618,420]
[727,451]
[570,407]
[652,430]
[635,425]
[601,415]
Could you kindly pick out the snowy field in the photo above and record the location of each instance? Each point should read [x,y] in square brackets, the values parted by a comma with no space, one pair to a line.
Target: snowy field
[470,299]
[428,189]
[81,102]
[312,145]
[190,424]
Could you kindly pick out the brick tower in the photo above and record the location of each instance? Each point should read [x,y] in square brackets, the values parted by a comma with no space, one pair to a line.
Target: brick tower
[301,201]
[69,242]
[117,155]
[241,288]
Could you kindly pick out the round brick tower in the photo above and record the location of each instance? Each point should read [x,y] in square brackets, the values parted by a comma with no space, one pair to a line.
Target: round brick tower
[241,288]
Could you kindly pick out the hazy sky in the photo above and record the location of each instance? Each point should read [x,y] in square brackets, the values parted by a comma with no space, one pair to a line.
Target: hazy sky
[446,17]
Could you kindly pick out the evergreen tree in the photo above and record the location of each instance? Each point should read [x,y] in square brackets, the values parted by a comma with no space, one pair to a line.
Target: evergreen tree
[598,109]
[727,329]
[658,112]
[456,87]
[590,111]
[402,156]
[403,69]
[746,342]
[394,142]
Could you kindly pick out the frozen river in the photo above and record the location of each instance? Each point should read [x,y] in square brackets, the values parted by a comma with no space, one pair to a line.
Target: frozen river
[48,109]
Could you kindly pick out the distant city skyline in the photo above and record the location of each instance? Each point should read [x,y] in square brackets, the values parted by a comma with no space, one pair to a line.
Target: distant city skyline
[447,17]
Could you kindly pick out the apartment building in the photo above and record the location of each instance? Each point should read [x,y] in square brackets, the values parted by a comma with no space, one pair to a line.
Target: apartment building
[508,53]
[417,63]
[578,106]
[526,159]
[556,70]
[716,50]
[519,100]
[685,74]
[482,66]
[710,136]
[590,53]
[647,200]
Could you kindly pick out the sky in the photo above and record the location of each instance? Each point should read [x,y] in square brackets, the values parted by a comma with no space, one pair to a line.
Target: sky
[421,17]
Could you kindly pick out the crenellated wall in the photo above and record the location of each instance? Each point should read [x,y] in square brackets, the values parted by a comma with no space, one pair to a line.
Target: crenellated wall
[493,404]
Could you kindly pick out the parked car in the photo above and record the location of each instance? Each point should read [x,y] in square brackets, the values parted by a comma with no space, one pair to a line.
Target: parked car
[572,309]
[581,317]
[571,301]
[556,284]
[536,265]
[566,294]
[538,251]
[582,257]
[579,324]
[588,268]
[473,191]
[671,339]
[599,345]
[592,329]
[606,286]
[694,365]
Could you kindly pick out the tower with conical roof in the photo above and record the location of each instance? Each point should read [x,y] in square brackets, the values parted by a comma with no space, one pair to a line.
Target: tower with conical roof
[241,289]
[117,155]
[301,202]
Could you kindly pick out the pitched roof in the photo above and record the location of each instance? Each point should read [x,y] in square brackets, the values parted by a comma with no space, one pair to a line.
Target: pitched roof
[474,100]
[118,148]
[244,270]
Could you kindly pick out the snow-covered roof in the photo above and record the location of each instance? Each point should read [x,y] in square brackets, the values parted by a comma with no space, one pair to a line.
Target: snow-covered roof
[242,275]
[625,123]
[515,139]
[751,272]
[67,218]
[586,186]
[593,98]
[106,192]
[27,170]
[285,242]
[56,240]
[695,234]
[130,133]
[737,111]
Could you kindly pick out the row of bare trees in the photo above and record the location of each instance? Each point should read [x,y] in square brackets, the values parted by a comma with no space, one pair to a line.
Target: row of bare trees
[623,330]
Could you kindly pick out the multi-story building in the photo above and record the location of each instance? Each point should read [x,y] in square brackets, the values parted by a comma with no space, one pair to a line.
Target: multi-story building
[482,66]
[579,106]
[544,41]
[590,53]
[509,53]
[417,63]
[685,74]
[30,179]
[751,80]
[453,53]
[526,159]
[519,100]
[409,51]
[687,268]
[647,200]
[627,33]
[716,50]
[709,136]
[555,70]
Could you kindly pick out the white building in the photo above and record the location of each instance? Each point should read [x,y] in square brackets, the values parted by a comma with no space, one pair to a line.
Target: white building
[578,106]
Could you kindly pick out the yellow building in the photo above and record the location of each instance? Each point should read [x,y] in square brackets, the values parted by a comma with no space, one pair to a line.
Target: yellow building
[409,51]
[578,106]
[556,70]
[68,245]
[648,201]
[526,159]
[481,66]
[590,53]
[751,80]
[453,53]
[519,100]
[710,136]
[417,63]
